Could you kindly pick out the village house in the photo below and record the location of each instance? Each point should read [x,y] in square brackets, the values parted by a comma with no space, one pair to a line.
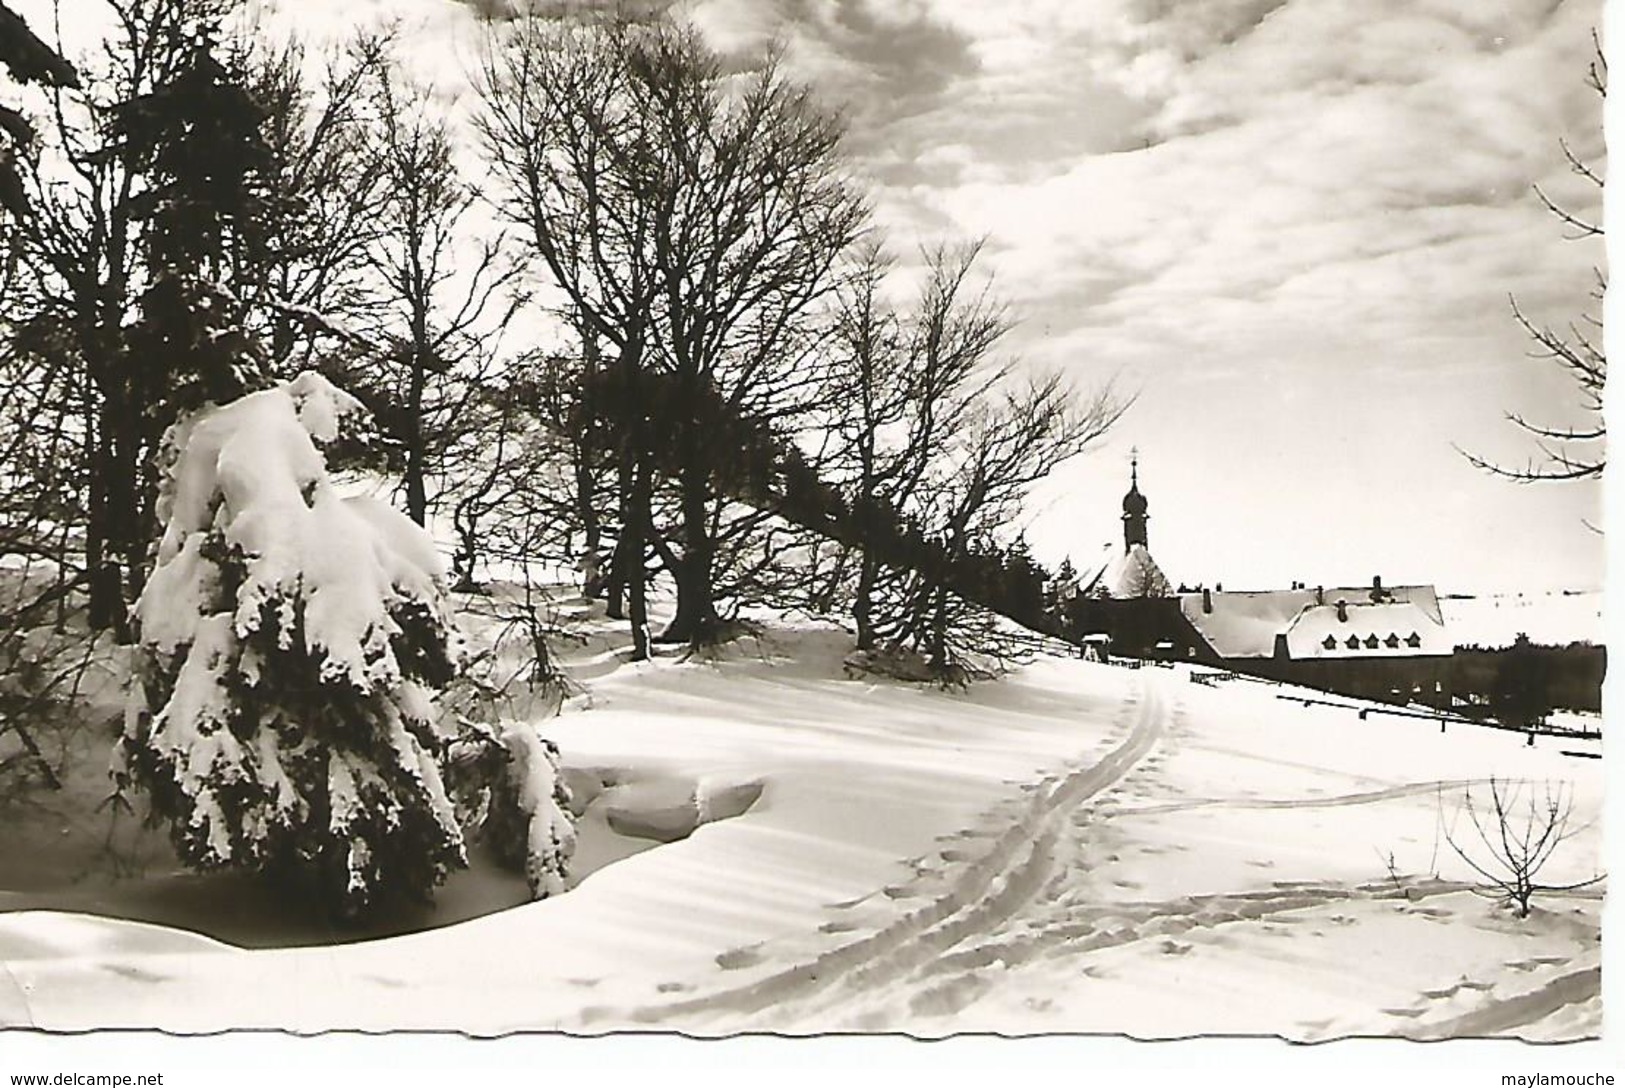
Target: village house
[1375,642]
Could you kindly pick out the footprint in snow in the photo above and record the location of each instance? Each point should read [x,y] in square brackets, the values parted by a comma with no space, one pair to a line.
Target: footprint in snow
[1176,948]
[136,973]
[674,987]
[1409,1014]
[1261,864]
[1444,994]
[837,927]
[1431,912]
[736,958]
[1547,961]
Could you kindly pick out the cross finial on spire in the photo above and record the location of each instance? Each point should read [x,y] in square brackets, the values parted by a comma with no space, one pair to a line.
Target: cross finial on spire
[1134,464]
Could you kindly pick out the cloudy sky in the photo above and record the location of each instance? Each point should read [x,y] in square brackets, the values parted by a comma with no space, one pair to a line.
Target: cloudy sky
[1291,227]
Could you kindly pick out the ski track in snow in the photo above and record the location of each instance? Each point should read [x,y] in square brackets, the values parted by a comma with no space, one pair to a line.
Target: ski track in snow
[1411,789]
[991,900]
[1512,1013]
[984,889]
[1025,898]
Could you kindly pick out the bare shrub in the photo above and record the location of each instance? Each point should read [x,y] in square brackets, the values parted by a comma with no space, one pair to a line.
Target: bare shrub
[1519,830]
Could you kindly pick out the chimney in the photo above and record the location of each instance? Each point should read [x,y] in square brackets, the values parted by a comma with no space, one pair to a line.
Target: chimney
[1207,600]
[1342,611]
[1377,593]
[1320,594]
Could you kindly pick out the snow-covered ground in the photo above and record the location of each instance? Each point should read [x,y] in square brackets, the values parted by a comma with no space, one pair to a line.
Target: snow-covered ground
[1077,848]
[1550,619]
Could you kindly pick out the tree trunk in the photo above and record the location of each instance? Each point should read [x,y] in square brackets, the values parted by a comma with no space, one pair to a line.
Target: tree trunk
[628,578]
[615,587]
[105,601]
[695,621]
[114,545]
[938,648]
[631,545]
[626,471]
[462,563]
[863,601]
[586,490]
[417,498]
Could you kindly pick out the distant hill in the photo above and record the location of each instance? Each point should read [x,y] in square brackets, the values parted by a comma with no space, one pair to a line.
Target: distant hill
[1549,619]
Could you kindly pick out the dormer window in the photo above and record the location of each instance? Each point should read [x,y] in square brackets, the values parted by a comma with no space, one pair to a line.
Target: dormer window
[1330,642]
[1353,643]
[1392,642]
[1414,641]
[1371,642]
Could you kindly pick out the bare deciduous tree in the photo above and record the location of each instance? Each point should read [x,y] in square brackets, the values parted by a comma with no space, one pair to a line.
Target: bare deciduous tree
[442,292]
[1518,832]
[946,438]
[1568,452]
[691,217]
[327,170]
[575,168]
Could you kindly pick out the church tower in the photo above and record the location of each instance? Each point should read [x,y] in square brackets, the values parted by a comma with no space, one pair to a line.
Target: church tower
[1134,507]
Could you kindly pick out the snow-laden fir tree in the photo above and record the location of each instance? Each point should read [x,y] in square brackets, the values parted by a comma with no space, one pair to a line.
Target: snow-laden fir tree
[291,640]
[518,800]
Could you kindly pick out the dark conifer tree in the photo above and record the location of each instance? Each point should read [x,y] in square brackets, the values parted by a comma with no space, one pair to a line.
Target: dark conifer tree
[197,137]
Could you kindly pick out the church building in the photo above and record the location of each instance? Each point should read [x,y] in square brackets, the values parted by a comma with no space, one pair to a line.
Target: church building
[1130,572]
[1375,642]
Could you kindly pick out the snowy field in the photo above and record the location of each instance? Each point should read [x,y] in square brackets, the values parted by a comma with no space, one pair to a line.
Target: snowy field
[1549,619]
[1077,848]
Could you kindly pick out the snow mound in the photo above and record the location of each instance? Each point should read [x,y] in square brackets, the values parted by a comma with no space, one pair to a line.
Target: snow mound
[666,809]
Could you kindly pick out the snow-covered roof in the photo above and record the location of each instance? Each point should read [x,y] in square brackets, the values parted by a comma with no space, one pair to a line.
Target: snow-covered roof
[1404,622]
[1127,575]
